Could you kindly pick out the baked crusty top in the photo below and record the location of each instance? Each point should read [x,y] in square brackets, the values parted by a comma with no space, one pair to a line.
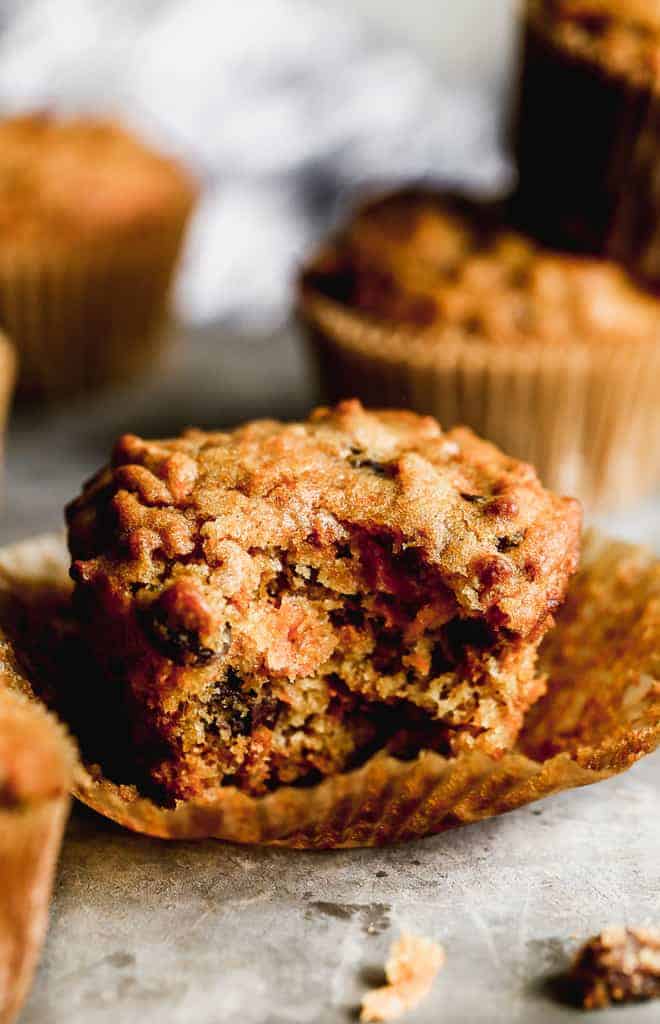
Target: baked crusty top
[207,505]
[62,178]
[450,268]
[622,36]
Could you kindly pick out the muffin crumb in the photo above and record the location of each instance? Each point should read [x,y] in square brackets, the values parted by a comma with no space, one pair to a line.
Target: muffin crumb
[411,969]
[620,965]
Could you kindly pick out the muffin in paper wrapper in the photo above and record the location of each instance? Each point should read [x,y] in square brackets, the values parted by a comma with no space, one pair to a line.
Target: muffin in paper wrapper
[7,381]
[585,415]
[89,315]
[586,138]
[601,713]
[37,766]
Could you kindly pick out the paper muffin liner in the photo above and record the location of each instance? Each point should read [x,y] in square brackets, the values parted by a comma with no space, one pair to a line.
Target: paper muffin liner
[587,146]
[601,713]
[89,315]
[586,416]
[30,836]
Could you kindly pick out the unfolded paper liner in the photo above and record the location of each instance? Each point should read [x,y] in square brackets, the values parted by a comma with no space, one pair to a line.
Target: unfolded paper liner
[41,760]
[586,416]
[587,145]
[600,715]
[89,315]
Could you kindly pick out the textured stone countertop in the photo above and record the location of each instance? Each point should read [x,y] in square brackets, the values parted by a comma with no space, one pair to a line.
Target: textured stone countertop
[208,933]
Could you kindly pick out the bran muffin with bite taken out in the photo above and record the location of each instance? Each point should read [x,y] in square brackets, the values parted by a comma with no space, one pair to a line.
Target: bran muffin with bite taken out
[274,603]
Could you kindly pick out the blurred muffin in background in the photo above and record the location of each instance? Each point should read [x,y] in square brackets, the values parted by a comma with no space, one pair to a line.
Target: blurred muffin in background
[433,302]
[587,129]
[7,382]
[91,225]
[37,768]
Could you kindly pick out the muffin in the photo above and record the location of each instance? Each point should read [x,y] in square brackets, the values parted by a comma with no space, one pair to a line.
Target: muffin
[434,302]
[599,715]
[587,131]
[37,764]
[7,382]
[274,604]
[91,224]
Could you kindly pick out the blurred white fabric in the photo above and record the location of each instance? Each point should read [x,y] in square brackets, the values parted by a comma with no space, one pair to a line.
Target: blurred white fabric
[283,107]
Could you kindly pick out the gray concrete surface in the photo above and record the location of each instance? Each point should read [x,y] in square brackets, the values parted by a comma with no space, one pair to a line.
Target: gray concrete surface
[207,933]
[144,931]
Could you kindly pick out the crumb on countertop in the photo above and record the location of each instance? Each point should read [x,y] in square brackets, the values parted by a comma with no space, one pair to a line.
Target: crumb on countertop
[618,966]
[411,968]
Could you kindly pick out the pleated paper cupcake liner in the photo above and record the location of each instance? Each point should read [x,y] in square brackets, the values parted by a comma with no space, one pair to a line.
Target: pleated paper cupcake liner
[586,416]
[87,317]
[32,822]
[587,145]
[601,713]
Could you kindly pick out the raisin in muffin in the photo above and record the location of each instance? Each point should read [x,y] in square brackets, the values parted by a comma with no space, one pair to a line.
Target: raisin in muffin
[275,603]
[91,224]
[587,128]
[435,302]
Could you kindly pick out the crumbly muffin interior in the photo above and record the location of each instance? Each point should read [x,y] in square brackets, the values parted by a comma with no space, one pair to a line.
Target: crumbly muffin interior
[345,649]
[274,604]
[452,270]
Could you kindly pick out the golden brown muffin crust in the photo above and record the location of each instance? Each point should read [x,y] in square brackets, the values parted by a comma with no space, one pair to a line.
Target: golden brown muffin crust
[83,176]
[451,270]
[480,517]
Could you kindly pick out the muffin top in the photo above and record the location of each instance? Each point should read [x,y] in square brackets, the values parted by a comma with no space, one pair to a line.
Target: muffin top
[196,516]
[622,36]
[446,266]
[70,179]
[36,757]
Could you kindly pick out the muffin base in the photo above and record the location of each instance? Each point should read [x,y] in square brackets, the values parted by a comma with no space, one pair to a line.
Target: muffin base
[7,382]
[610,668]
[584,416]
[89,317]
[29,844]
[37,770]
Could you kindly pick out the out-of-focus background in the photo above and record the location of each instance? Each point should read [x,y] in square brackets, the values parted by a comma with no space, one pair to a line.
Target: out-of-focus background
[465,40]
[283,107]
